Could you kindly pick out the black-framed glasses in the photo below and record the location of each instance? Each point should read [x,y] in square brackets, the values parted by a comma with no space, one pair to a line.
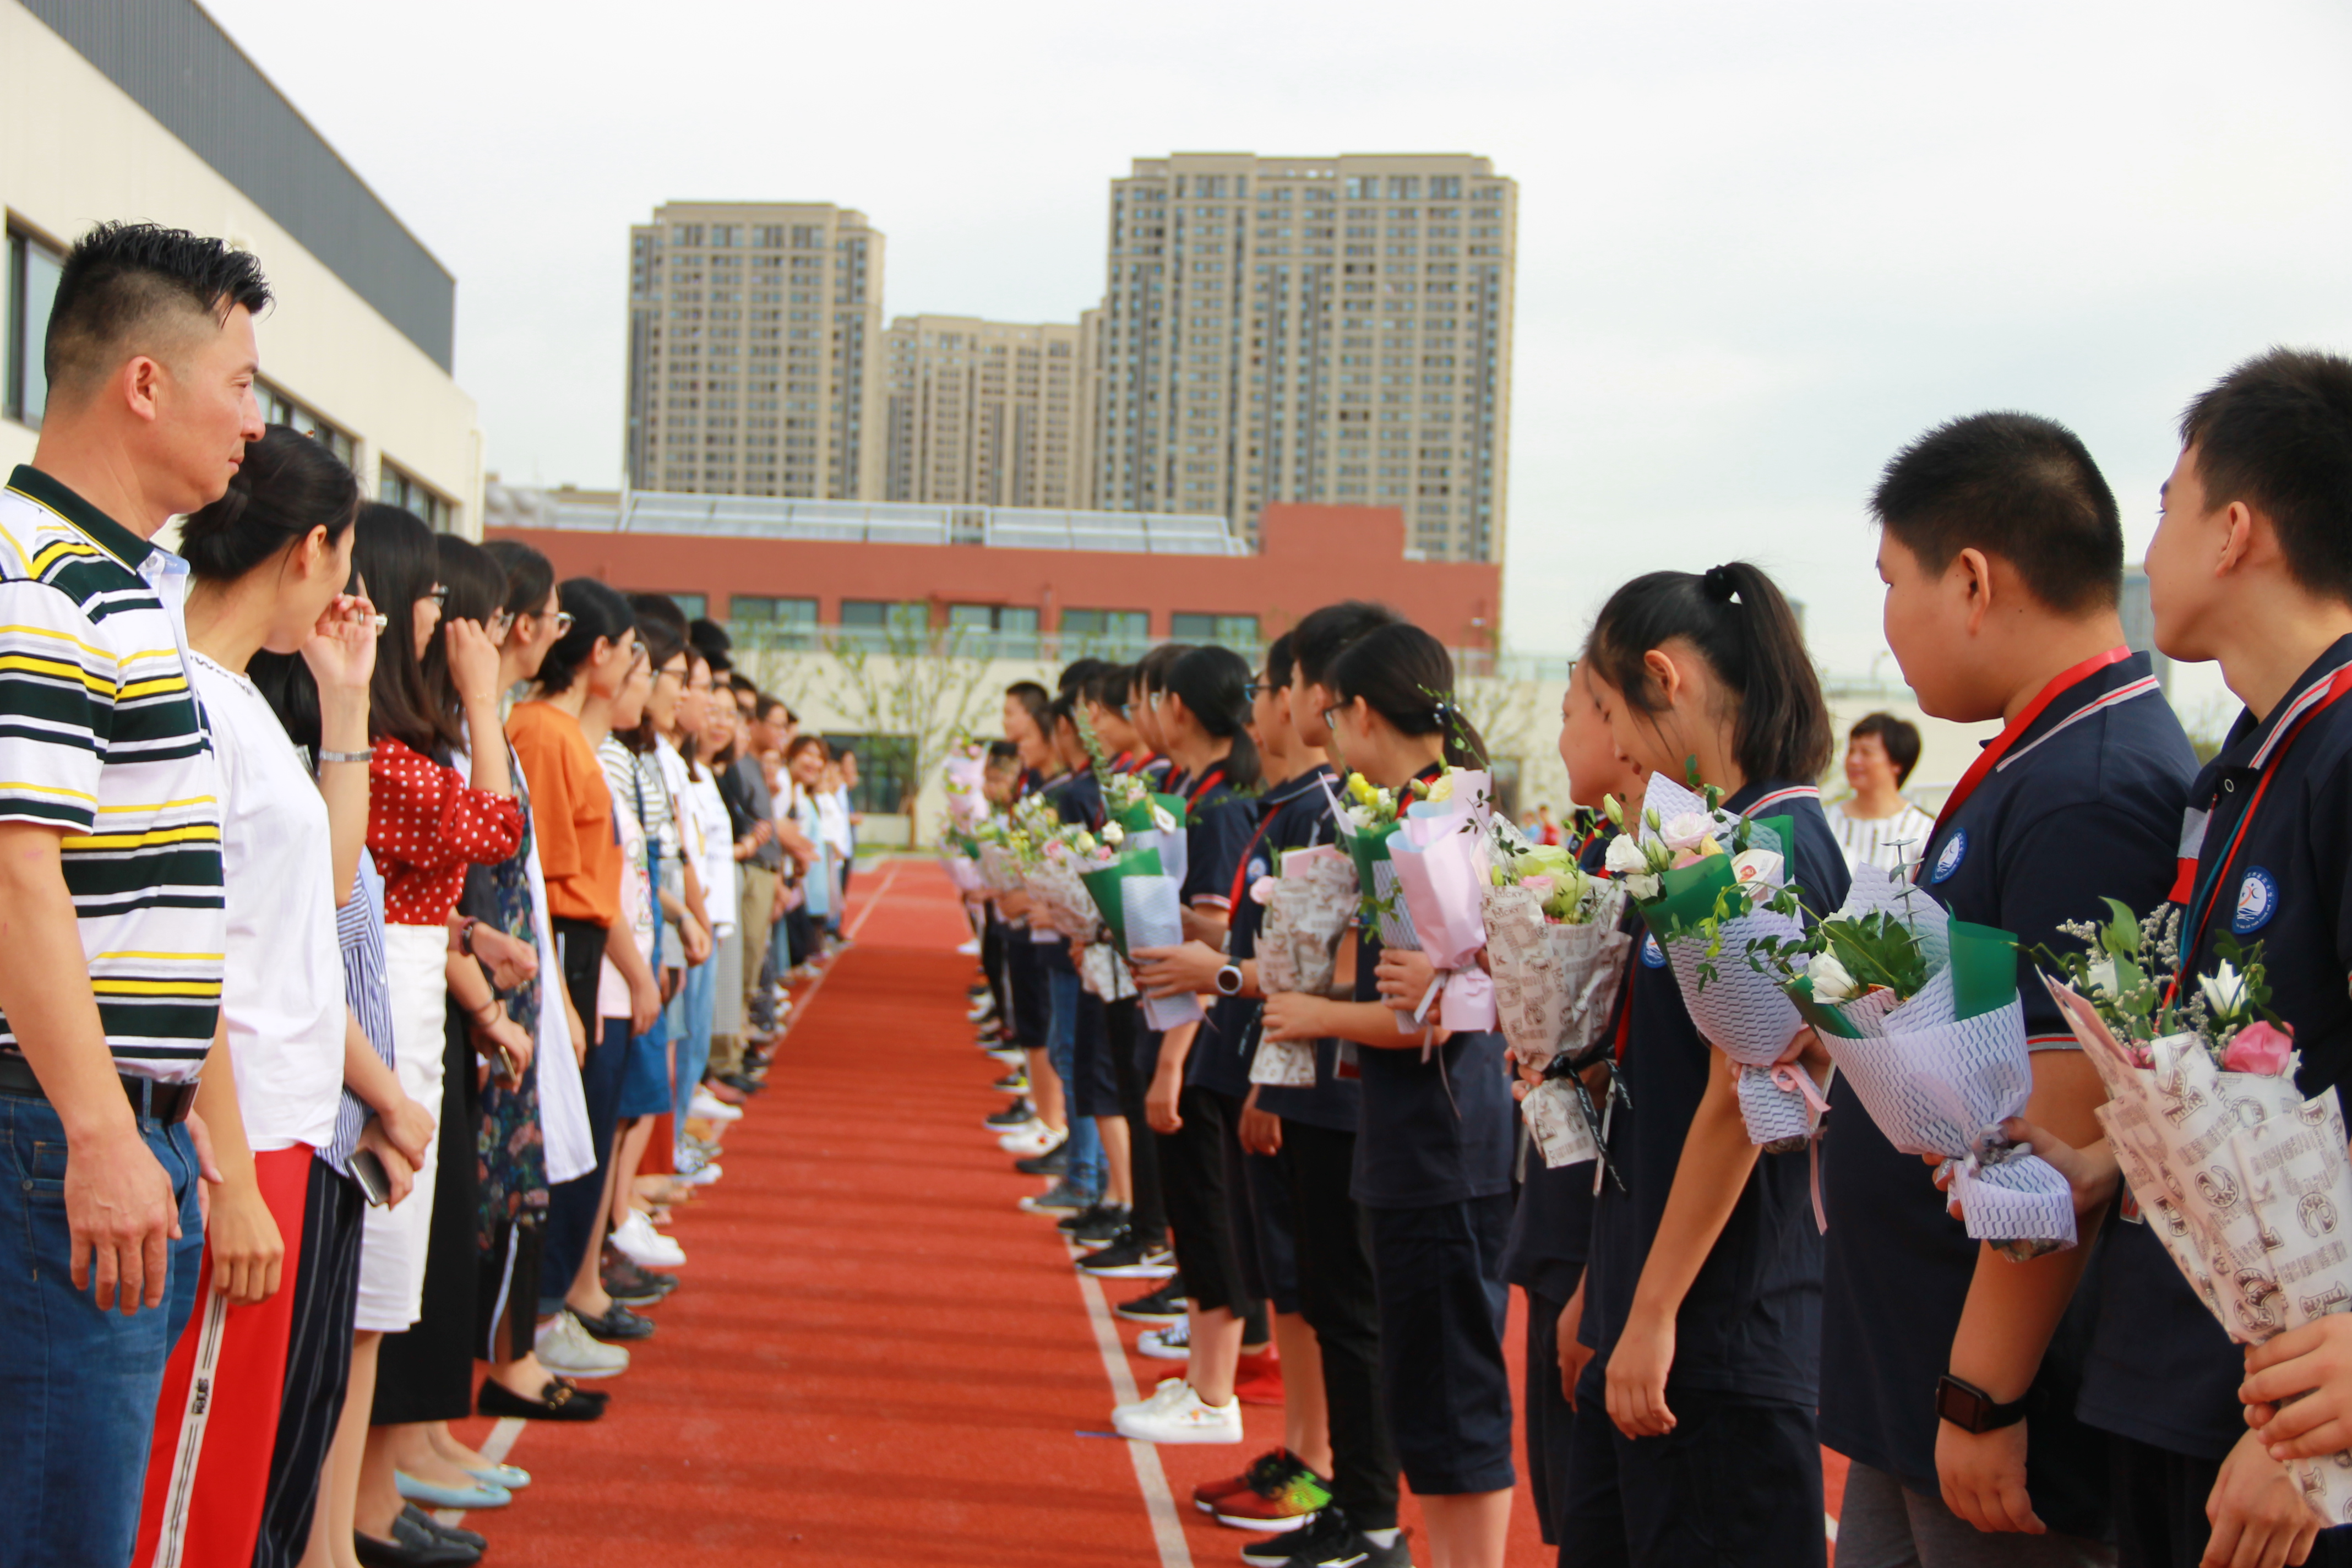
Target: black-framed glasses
[1256,689]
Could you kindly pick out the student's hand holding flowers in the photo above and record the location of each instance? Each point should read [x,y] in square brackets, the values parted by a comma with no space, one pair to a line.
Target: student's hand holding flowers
[1404,977]
[2090,1172]
[1187,969]
[2311,1366]
[1293,1016]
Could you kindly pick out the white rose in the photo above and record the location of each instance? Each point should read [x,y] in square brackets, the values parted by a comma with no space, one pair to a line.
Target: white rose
[1642,884]
[1624,858]
[1831,981]
[2103,976]
[1113,834]
[1685,831]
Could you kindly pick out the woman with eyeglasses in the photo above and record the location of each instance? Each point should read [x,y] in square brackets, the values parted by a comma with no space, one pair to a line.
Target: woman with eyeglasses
[427,821]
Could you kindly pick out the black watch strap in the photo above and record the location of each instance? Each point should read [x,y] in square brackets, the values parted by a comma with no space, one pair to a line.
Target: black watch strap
[1971,1409]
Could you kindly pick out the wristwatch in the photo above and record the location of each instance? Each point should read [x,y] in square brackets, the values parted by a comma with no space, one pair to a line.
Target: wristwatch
[1229,980]
[1971,1409]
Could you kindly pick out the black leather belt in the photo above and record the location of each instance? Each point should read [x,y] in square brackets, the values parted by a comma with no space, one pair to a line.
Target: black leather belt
[166,1102]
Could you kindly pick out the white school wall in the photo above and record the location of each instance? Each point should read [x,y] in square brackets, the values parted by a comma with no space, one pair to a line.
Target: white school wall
[75,150]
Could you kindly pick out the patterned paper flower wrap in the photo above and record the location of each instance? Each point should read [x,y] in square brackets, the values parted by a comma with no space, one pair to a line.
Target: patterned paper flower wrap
[1000,868]
[1561,1123]
[1153,917]
[1555,984]
[1308,909]
[1102,973]
[1741,1013]
[2246,1184]
[1940,1072]
[1053,884]
[964,872]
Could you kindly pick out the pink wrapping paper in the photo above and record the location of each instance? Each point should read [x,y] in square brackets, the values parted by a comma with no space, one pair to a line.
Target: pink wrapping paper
[1441,865]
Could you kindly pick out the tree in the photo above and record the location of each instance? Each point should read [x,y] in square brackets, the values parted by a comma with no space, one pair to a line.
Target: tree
[911,679]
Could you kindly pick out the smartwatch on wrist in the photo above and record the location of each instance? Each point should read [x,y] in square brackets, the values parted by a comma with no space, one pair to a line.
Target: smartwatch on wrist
[1229,980]
[1971,1409]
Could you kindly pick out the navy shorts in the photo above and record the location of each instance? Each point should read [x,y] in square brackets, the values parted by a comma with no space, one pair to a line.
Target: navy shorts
[1257,1189]
[1094,1076]
[646,1088]
[1439,1274]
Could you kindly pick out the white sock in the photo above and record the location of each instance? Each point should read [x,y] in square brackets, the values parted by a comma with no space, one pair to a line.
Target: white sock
[1383,1538]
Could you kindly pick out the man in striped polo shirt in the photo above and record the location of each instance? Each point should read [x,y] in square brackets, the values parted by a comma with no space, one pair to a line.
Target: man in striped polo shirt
[111,921]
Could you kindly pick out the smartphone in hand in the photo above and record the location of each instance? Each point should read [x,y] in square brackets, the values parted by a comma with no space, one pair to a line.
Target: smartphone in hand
[375,1182]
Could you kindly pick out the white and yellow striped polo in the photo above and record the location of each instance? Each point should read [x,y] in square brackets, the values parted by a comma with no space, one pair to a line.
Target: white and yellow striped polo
[101,735]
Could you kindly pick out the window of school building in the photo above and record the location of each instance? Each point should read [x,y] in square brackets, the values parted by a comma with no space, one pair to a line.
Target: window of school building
[1237,632]
[757,622]
[886,772]
[33,269]
[394,487]
[1105,633]
[1005,631]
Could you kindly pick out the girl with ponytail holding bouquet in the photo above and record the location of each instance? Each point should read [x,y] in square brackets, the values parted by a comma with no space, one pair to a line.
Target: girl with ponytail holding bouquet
[1702,1294]
[1434,1149]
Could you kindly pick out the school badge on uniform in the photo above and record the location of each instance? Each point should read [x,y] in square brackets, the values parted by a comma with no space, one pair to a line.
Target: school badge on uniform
[1651,953]
[2257,903]
[1949,860]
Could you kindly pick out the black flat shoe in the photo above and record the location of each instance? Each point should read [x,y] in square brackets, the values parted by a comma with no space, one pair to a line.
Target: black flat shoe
[411,1546]
[424,1520]
[616,1325]
[559,1400]
[634,1287]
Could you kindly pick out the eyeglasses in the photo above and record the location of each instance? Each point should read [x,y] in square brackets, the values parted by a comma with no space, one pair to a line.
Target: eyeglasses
[1256,689]
[500,621]
[1330,716]
[439,595]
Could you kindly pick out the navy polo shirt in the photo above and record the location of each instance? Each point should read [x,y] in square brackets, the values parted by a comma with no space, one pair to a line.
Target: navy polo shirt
[1221,1058]
[1551,1229]
[2162,1371]
[1301,821]
[2084,803]
[1751,1322]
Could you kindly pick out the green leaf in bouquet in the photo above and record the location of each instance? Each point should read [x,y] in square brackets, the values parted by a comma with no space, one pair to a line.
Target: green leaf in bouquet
[1102,885]
[2120,936]
[1984,969]
[1688,896]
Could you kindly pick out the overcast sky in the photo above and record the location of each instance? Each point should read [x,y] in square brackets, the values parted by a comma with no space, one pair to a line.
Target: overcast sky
[1760,246]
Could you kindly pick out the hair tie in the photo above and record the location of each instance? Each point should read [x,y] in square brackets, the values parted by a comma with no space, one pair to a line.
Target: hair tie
[1718,585]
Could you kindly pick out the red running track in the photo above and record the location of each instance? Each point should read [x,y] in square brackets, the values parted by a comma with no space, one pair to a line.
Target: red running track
[877,1358]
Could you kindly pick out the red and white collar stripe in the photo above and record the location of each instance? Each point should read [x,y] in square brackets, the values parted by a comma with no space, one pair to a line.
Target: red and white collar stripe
[2313,695]
[1794,792]
[2139,688]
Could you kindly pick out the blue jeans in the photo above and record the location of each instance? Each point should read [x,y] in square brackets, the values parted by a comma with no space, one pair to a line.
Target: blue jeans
[690,1013]
[1087,1170]
[77,1386]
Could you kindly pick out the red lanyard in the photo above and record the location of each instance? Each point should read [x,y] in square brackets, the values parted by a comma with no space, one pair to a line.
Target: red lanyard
[1241,872]
[1209,781]
[1989,758]
[2203,908]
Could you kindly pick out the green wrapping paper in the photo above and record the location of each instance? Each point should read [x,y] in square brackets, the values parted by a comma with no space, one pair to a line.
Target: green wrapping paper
[1137,819]
[1984,969]
[1102,885]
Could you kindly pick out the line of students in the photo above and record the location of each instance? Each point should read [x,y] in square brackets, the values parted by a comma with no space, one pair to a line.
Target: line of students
[1696,1336]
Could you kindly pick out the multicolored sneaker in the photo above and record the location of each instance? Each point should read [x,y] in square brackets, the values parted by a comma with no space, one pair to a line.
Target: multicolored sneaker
[1282,1498]
[1266,1469]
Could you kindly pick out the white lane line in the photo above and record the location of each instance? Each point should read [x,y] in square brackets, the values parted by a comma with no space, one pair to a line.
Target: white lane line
[1829,1525]
[503,1435]
[500,1444]
[1167,1529]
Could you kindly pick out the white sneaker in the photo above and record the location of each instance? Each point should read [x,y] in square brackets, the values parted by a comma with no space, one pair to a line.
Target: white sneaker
[703,1174]
[643,1245]
[969,948]
[1181,1419]
[710,1108]
[565,1346]
[1033,1140]
[1174,1343]
[1167,1390]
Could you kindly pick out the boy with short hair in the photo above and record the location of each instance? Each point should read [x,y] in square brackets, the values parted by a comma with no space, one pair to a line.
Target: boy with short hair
[2251,567]
[2003,554]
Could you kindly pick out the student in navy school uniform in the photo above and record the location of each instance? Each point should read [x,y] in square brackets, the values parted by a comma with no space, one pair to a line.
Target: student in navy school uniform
[1954,1394]
[2251,567]
[1280,1490]
[1702,1295]
[1202,717]
[1317,1151]
[1551,1229]
[1433,1149]
[1028,722]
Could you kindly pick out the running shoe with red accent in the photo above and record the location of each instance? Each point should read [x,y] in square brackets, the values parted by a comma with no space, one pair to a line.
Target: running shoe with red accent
[1266,1467]
[1277,1498]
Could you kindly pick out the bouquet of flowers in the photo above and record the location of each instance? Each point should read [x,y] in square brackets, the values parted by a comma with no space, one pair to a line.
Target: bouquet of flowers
[1307,908]
[2247,1185]
[1136,818]
[1438,827]
[1053,879]
[967,767]
[1701,877]
[1102,880]
[1921,1012]
[1554,946]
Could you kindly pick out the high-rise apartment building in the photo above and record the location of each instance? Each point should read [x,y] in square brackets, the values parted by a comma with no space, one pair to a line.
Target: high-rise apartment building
[988,413]
[1315,329]
[754,332]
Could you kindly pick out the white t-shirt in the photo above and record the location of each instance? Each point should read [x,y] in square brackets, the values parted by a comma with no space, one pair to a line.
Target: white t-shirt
[282,982]
[1889,843]
[717,867]
[636,905]
[833,812]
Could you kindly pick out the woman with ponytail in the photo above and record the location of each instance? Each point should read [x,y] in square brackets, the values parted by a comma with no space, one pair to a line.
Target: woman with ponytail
[1703,1288]
[1434,1149]
[269,561]
[1203,711]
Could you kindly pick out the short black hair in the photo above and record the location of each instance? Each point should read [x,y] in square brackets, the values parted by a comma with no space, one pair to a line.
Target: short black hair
[1279,660]
[2014,485]
[1899,736]
[1078,672]
[2276,434]
[711,641]
[1317,642]
[122,281]
[1035,703]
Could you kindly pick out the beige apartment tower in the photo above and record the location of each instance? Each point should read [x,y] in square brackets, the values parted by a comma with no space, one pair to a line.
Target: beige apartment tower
[989,413]
[754,337]
[1333,329]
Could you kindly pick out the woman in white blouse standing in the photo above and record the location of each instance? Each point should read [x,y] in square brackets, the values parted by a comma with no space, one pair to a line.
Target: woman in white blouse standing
[1875,824]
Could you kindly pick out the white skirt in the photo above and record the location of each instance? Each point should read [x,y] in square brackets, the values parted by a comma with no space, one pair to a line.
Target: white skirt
[391,1254]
